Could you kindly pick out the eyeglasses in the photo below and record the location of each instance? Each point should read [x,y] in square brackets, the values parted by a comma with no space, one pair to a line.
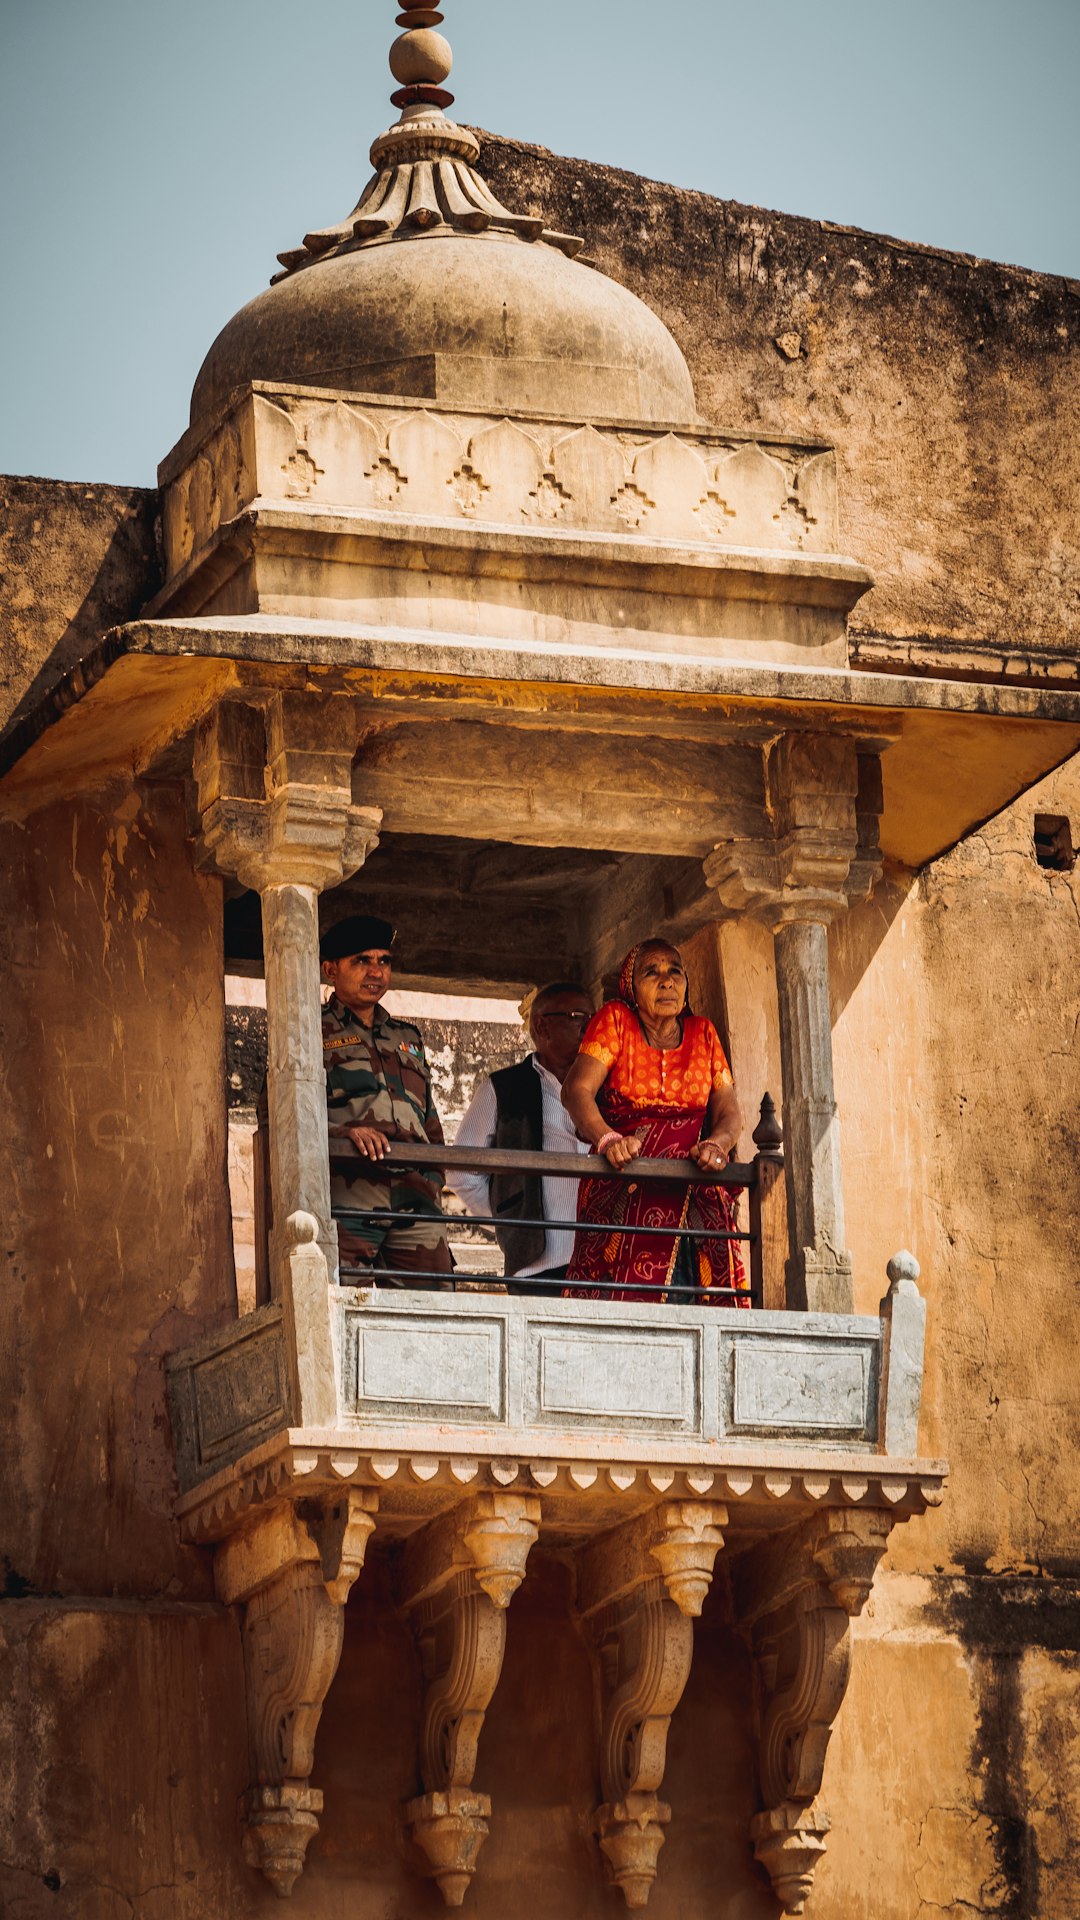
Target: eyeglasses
[575,1019]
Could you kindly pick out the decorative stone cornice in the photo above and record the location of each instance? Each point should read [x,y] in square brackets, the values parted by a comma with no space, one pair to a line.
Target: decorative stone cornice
[295,1462]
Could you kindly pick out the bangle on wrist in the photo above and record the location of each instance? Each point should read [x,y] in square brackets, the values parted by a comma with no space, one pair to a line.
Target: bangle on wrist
[607,1140]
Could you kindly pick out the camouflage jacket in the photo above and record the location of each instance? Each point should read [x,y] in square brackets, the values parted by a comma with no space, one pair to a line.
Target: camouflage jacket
[377,1076]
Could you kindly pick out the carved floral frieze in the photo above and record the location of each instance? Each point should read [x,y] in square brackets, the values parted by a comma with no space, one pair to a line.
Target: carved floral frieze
[424,463]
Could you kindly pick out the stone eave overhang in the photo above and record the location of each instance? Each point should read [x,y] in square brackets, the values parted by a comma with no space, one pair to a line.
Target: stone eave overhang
[958,751]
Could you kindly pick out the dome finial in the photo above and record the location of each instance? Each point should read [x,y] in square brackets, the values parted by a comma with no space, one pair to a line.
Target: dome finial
[425,180]
[420,58]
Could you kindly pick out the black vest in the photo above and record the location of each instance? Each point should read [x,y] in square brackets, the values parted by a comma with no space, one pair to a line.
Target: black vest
[519,1098]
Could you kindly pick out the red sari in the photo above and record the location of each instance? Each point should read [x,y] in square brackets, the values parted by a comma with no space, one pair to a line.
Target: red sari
[661,1095]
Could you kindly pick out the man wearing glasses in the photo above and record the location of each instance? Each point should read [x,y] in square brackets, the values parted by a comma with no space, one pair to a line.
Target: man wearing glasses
[521,1108]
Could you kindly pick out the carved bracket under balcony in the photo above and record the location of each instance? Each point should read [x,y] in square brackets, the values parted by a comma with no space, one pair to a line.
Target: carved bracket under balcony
[459,1575]
[801,1593]
[640,1586]
[292,1570]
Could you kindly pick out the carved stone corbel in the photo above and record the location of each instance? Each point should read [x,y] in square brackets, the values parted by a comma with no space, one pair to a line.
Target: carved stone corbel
[641,1621]
[459,1575]
[802,1648]
[292,1570]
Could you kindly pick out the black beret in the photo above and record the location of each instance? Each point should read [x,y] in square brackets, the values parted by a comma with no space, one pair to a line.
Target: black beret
[358,934]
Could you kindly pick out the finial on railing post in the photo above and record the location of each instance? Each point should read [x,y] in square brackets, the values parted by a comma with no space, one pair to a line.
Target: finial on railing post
[768,1135]
[420,58]
[903,1343]
[768,1230]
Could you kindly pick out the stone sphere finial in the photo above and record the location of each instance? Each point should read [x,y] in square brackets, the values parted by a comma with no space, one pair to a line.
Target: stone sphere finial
[420,58]
[903,1266]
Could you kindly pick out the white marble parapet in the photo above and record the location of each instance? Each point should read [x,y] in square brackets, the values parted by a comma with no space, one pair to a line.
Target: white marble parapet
[585,1401]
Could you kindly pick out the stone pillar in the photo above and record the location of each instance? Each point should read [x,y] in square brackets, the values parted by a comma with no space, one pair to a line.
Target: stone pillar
[819,1273]
[276,810]
[815,851]
[295,1081]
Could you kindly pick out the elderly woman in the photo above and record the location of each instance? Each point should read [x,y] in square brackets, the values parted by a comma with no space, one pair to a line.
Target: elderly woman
[651,1080]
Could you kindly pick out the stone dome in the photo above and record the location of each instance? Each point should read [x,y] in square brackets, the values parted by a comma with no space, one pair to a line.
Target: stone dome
[485,320]
[432,289]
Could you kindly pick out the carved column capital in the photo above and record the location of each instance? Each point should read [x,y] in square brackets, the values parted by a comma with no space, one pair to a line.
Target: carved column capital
[292,1570]
[458,1577]
[274,792]
[818,851]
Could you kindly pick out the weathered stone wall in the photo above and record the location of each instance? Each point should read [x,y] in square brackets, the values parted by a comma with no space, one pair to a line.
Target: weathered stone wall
[957,1757]
[950,388]
[75,560]
[112,1165]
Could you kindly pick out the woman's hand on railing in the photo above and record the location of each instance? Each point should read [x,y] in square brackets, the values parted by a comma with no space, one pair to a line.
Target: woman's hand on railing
[709,1154]
[621,1150]
[370,1141]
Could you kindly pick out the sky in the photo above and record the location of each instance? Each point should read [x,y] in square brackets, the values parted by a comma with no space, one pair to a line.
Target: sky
[155,158]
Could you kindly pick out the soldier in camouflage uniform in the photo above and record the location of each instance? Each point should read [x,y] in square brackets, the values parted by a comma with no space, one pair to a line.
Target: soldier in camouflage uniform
[378,1089]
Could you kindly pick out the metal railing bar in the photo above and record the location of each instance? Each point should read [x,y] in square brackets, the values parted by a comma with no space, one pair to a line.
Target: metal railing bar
[585,1166]
[567,1226]
[373,1275]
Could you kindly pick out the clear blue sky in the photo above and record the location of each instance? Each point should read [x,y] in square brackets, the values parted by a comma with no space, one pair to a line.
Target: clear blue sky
[155,157]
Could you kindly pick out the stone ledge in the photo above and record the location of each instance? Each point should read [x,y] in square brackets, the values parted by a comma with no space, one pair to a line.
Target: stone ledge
[762,1490]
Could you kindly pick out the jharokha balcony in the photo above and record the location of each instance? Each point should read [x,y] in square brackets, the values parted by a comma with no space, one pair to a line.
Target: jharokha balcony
[463,1427]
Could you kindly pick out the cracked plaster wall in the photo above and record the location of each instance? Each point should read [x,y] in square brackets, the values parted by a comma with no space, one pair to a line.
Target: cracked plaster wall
[952,1776]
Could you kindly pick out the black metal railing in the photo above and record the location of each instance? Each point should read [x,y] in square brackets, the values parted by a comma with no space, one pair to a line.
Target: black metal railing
[765,1237]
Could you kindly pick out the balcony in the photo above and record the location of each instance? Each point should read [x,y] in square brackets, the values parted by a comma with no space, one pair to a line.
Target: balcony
[464,1427]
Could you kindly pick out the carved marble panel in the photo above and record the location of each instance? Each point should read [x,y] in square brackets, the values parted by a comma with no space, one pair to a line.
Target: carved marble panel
[232,1393]
[801,1386]
[597,1374]
[426,1366]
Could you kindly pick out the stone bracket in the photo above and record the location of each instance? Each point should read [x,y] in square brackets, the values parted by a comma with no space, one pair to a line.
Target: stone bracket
[817,851]
[459,1575]
[678,1538]
[292,1572]
[808,1588]
[639,1588]
[274,791]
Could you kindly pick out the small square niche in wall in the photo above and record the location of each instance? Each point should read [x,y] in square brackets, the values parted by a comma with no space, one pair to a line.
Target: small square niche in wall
[1053,842]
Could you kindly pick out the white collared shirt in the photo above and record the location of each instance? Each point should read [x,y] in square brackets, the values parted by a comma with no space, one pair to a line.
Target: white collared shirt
[560,1191]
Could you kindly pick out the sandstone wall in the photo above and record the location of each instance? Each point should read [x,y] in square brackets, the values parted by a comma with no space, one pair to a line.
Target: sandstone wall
[949,386]
[957,1043]
[75,560]
[112,1166]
